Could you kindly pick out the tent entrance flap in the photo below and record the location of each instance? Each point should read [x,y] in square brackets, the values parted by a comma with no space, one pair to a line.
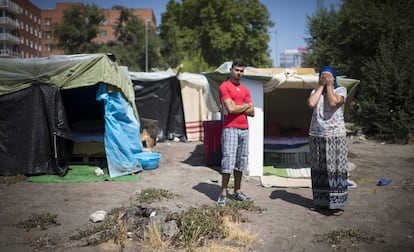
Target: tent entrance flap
[161,100]
[122,134]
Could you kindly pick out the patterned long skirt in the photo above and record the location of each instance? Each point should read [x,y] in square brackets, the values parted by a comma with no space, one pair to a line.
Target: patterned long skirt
[329,171]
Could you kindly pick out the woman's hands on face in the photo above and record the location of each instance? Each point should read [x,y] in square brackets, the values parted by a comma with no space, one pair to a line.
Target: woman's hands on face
[326,79]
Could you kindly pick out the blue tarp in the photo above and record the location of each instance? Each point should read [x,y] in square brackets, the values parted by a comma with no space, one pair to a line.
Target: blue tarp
[122,134]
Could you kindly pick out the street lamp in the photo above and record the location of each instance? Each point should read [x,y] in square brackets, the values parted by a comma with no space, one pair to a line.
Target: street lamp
[146,45]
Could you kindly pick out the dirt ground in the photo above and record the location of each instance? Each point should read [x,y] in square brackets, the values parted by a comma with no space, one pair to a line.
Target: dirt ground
[378,218]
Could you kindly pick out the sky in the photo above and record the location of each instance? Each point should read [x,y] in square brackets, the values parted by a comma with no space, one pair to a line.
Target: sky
[289,17]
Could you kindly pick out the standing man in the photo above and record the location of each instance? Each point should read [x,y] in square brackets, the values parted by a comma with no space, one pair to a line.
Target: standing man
[236,105]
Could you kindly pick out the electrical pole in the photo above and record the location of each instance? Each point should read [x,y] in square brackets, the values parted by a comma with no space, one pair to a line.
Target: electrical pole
[146,45]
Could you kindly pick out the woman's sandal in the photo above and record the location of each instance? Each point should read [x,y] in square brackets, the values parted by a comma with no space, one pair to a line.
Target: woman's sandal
[337,212]
[317,208]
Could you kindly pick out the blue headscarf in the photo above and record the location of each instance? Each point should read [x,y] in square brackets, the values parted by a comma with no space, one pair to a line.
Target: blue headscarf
[332,71]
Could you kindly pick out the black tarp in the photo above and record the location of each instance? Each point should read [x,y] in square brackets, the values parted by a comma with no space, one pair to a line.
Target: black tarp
[35,137]
[161,100]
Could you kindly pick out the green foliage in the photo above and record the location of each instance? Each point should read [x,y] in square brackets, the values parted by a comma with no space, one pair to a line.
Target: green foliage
[197,225]
[38,221]
[195,64]
[80,25]
[386,98]
[218,30]
[370,41]
[132,37]
[151,195]
[323,37]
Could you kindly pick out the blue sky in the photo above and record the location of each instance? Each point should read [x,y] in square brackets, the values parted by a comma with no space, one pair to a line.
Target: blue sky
[289,16]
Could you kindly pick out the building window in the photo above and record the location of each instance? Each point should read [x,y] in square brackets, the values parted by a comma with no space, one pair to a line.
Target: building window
[103,34]
[21,25]
[48,22]
[48,34]
[27,28]
[102,22]
[48,47]
[31,30]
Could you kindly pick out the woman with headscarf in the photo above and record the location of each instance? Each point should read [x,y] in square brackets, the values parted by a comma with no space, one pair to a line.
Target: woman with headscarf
[327,144]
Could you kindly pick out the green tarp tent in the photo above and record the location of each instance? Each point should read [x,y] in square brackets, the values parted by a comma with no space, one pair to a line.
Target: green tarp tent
[43,101]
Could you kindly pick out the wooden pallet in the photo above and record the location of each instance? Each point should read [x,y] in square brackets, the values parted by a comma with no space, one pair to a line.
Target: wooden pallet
[90,153]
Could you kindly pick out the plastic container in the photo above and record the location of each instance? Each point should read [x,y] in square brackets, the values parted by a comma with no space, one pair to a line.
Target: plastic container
[212,142]
[149,160]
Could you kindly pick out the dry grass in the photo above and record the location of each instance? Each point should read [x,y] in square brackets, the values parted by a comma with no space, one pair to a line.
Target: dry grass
[205,228]
[153,237]
[201,228]
[216,247]
[236,233]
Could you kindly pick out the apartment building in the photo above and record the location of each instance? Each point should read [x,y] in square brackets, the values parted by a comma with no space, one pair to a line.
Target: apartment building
[20,34]
[292,58]
[27,31]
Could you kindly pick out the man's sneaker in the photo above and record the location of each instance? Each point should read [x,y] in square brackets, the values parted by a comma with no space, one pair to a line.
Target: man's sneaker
[221,201]
[241,197]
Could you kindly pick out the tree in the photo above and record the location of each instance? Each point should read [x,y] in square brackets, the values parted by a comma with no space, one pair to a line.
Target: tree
[386,98]
[218,30]
[321,45]
[129,47]
[371,41]
[80,25]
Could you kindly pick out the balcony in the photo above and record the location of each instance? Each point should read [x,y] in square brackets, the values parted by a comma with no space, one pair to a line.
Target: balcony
[10,6]
[9,38]
[7,53]
[9,23]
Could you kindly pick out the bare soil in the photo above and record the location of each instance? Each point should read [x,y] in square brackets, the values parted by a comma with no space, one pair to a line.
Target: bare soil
[378,218]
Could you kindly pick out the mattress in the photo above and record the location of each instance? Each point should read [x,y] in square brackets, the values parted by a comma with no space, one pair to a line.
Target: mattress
[286,144]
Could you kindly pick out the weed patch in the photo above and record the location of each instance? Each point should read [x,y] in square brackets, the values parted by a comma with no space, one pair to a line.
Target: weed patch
[244,205]
[43,242]
[12,179]
[38,221]
[151,195]
[197,225]
[340,236]
[109,229]
[194,227]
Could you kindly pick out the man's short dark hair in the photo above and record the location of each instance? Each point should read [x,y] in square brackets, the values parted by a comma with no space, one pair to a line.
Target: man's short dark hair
[238,63]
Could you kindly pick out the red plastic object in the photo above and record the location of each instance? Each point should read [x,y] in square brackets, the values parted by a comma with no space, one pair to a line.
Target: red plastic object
[212,142]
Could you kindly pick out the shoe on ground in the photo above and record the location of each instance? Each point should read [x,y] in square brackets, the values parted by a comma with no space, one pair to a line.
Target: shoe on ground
[221,201]
[241,197]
